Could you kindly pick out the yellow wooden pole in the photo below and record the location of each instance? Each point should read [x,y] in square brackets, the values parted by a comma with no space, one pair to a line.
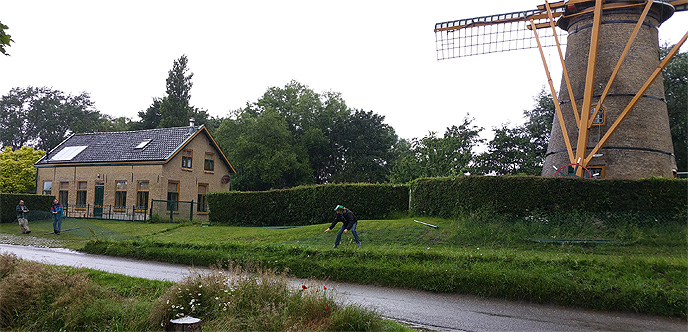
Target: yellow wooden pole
[621,59]
[589,86]
[554,95]
[636,98]
[563,63]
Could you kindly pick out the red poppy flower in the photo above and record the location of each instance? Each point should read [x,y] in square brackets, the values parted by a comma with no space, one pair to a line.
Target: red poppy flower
[325,308]
[325,288]
[304,287]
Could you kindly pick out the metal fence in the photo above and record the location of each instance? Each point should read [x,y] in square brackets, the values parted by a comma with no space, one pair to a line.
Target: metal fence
[172,211]
[110,212]
[159,210]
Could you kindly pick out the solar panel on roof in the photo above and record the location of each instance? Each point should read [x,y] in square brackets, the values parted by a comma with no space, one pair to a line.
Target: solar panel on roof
[68,153]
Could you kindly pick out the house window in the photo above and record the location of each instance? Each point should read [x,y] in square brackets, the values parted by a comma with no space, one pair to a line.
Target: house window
[120,195]
[63,196]
[47,187]
[187,157]
[202,203]
[81,189]
[209,164]
[600,117]
[142,196]
[172,195]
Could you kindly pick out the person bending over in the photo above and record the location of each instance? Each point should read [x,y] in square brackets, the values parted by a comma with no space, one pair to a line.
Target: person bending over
[349,222]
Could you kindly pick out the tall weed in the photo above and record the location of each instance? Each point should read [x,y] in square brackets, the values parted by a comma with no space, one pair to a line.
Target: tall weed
[39,297]
[259,301]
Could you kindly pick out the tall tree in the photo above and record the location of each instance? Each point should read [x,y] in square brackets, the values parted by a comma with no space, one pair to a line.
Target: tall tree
[110,123]
[150,118]
[364,148]
[42,117]
[338,144]
[311,118]
[520,150]
[5,39]
[174,109]
[263,150]
[676,92]
[17,174]
[431,155]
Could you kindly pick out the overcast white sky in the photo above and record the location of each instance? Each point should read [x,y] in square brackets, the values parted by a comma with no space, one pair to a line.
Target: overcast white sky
[380,55]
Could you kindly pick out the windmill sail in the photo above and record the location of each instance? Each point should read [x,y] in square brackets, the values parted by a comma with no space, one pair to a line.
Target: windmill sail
[494,33]
[610,110]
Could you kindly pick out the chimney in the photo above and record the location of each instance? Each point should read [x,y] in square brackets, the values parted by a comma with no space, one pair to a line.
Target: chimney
[192,129]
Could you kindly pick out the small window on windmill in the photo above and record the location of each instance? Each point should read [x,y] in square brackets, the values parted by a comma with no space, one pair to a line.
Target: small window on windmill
[143,144]
[597,171]
[600,117]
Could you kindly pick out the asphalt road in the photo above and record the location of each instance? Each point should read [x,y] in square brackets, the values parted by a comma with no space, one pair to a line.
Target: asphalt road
[440,312]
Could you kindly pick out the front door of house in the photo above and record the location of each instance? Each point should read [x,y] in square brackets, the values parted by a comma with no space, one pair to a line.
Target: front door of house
[98,200]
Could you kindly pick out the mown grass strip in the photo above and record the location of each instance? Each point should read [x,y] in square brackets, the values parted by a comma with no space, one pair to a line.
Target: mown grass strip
[652,286]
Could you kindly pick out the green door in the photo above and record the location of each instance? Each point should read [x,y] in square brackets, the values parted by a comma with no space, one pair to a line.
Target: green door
[98,202]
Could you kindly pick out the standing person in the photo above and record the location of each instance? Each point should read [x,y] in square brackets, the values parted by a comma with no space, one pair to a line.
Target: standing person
[349,222]
[56,210]
[22,210]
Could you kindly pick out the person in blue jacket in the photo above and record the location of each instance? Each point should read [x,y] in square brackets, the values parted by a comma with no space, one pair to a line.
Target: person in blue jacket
[56,210]
[349,222]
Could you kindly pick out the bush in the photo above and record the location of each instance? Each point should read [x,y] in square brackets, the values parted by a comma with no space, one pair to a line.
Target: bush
[525,195]
[38,205]
[260,301]
[306,205]
[49,298]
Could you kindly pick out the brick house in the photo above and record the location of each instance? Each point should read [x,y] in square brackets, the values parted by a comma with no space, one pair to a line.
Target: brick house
[132,173]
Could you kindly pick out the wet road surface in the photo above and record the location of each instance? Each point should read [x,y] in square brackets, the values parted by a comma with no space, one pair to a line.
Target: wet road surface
[440,312]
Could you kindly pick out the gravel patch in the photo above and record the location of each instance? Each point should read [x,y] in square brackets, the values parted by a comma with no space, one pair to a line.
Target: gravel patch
[28,240]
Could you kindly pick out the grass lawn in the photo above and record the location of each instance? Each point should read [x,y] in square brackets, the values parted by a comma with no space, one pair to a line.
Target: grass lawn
[642,268]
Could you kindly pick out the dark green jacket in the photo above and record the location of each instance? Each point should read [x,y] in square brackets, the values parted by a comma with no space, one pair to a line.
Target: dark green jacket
[20,211]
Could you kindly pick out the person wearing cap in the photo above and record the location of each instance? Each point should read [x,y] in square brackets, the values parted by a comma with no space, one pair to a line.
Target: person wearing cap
[349,222]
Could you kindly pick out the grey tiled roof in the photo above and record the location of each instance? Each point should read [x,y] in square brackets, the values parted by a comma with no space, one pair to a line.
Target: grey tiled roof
[120,146]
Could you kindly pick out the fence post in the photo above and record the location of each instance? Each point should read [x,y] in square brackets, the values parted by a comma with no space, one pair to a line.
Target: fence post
[187,323]
[191,211]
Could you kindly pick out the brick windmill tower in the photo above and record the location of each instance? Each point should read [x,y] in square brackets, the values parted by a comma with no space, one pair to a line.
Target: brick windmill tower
[611,116]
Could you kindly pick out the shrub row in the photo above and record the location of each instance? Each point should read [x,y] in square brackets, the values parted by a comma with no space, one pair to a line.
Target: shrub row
[525,195]
[306,205]
[8,205]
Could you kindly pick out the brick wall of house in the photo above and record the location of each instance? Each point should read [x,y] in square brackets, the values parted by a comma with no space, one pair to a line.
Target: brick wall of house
[131,174]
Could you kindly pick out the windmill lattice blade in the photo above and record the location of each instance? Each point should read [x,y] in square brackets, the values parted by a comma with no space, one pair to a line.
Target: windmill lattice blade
[492,34]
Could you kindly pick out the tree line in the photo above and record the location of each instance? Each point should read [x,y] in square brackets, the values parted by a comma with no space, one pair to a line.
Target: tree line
[293,135]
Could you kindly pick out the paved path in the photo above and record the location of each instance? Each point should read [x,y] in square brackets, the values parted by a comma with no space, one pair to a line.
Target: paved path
[441,312]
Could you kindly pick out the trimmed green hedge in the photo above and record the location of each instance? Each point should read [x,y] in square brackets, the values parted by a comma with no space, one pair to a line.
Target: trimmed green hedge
[306,205]
[524,195]
[35,203]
